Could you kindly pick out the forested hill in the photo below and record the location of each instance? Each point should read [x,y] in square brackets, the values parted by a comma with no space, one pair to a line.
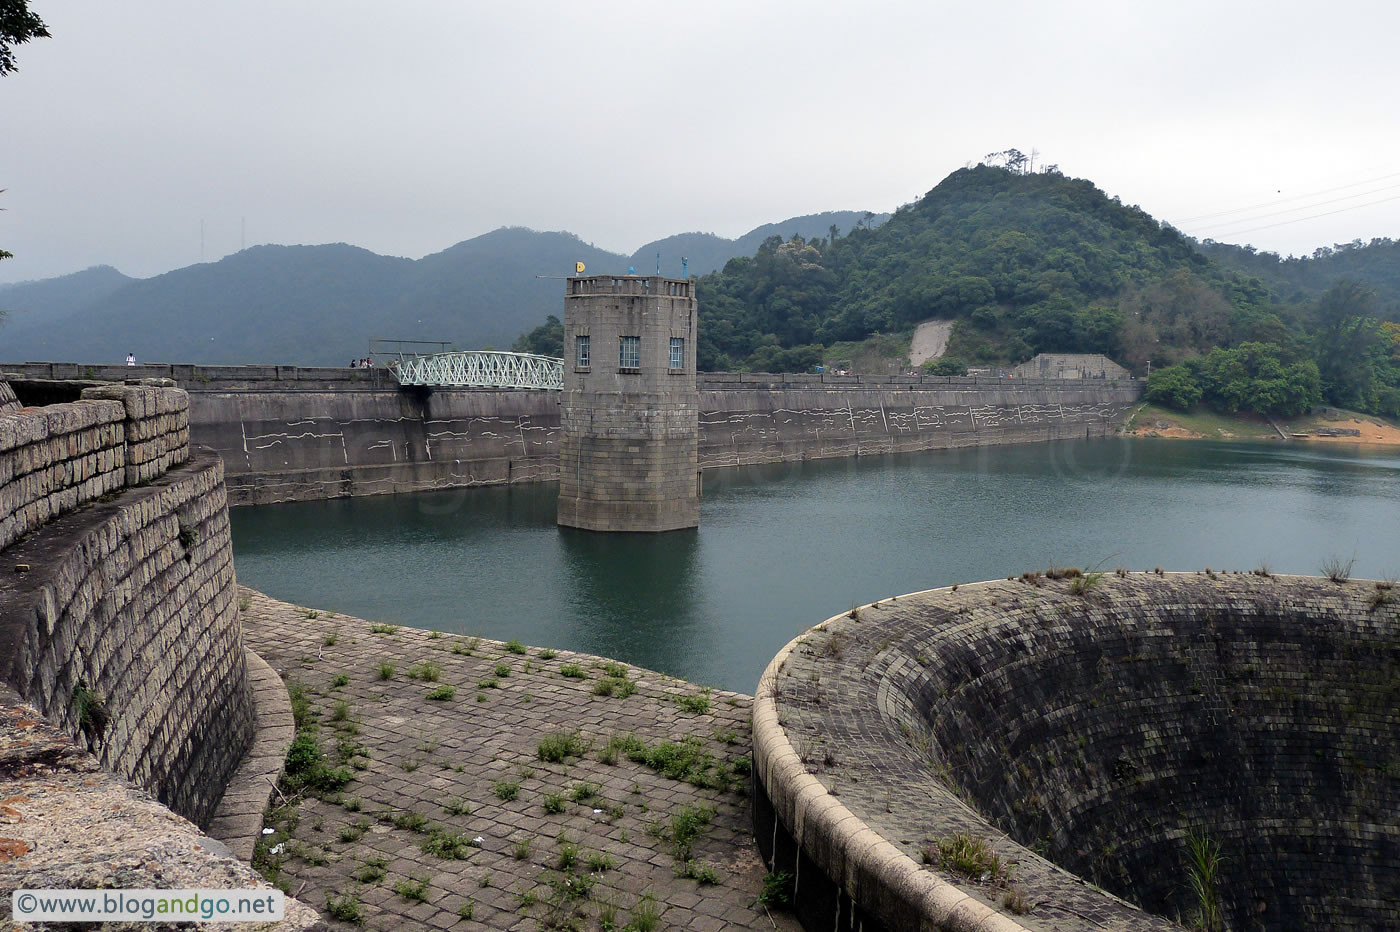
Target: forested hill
[1026,263]
[708,252]
[1034,263]
[1375,264]
[321,304]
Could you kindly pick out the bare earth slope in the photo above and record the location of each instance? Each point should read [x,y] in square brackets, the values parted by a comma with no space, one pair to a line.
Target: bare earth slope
[930,340]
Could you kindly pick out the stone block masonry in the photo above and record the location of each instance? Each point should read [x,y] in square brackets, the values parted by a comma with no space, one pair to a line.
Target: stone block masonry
[54,459]
[466,764]
[117,611]
[1092,728]
[157,427]
[629,417]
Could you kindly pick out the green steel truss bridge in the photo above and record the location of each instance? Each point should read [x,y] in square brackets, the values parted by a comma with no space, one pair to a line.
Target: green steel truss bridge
[481,369]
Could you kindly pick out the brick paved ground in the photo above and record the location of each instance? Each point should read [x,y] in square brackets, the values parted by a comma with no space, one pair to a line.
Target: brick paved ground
[606,857]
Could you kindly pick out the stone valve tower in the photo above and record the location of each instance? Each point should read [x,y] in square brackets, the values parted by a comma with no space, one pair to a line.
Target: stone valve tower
[630,410]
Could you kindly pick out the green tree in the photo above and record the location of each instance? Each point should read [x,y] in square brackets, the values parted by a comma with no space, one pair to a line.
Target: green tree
[945,365]
[1174,387]
[545,340]
[1253,377]
[1346,334]
[17,26]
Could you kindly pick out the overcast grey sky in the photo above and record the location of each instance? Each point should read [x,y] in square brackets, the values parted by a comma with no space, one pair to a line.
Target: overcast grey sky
[406,127]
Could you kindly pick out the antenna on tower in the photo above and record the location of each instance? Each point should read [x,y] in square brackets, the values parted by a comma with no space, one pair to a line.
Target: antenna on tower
[684,263]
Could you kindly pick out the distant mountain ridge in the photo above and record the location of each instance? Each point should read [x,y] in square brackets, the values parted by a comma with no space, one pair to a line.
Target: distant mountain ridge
[320,305]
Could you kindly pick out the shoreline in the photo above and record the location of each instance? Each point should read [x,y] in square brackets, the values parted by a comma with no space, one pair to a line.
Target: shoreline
[1153,421]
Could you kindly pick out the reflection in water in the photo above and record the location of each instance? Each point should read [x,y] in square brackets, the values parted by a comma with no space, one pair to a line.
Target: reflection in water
[784,546]
[635,590]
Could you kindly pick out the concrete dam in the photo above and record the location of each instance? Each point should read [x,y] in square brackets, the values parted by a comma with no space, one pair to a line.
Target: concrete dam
[290,433]
[1040,752]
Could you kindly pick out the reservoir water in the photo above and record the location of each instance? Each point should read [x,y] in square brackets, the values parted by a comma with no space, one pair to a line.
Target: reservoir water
[783,547]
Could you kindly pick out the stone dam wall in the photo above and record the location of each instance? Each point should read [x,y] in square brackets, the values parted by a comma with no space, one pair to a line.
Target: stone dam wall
[1094,733]
[288,433]
[118,617]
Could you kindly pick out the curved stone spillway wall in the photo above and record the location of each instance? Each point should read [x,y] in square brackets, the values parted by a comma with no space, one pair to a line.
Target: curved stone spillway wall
[1098,729]
[118,618]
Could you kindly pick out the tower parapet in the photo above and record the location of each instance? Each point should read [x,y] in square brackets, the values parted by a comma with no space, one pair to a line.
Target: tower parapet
[629,414]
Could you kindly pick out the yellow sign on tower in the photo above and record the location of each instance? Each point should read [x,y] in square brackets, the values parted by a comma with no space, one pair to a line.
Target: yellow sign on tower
[578,268]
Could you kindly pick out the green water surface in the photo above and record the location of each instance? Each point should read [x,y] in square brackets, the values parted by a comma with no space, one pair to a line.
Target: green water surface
[782,547]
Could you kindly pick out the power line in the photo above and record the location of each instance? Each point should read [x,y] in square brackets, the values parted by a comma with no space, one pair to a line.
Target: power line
[1328,213]
[1296,197]
[1291,210]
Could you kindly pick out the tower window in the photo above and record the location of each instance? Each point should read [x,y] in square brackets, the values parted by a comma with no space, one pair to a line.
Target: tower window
[677,352]
[584,352]
[629,352]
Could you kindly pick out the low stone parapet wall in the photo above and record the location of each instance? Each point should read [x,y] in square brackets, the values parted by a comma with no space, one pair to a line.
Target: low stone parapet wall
[59,457]
[56,458]
[157,422]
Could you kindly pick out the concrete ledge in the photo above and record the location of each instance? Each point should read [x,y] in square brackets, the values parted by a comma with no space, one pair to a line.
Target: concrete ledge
[239,817]
[828,827]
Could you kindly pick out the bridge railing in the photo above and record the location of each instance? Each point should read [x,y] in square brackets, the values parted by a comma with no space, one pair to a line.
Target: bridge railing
[481,369]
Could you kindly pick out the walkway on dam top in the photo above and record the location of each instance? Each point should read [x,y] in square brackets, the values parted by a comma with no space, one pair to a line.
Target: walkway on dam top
[516,787]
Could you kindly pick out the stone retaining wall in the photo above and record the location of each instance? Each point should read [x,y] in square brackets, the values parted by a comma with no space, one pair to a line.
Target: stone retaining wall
[118,585]
[1101,729]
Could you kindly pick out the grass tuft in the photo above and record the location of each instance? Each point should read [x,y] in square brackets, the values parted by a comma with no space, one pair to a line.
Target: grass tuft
[561,745]
[967,855]
[1337,571]
[698,704]
[345,907]
[414,888]
[427,671]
